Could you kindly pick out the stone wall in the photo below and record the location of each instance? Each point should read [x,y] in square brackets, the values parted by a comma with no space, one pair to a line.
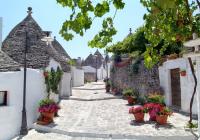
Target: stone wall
[89,77]
[145,81]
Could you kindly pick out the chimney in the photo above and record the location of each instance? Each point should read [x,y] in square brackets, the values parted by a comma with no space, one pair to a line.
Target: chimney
[1,26]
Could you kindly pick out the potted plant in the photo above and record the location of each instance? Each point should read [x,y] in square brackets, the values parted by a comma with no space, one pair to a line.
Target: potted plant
[47,109]
[108,85]
[154,102]
[114,90]
[162,115]
[138,113]
[153,109]
[183,72]
[130,95]
[52,81]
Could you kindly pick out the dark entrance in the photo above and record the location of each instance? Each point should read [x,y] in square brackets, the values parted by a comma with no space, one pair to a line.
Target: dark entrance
[176,89]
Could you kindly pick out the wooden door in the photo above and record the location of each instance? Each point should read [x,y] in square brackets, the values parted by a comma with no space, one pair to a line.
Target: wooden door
[176,89]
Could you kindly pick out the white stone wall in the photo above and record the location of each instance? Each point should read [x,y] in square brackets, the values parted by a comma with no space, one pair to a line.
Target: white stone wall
[186,83]
[53,64]
[66,85]
[101,72]
[10,115]
[89,69]
[77,77]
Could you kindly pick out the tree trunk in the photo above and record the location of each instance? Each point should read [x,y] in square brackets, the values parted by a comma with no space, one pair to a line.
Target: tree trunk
[195,87]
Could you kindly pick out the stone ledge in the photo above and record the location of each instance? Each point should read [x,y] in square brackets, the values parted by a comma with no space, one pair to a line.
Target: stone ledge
[109,136]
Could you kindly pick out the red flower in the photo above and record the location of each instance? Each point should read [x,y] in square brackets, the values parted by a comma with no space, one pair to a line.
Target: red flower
[46,74]
[138,109]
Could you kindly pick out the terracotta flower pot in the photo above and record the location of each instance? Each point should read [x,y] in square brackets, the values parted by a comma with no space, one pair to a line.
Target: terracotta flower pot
[183,73]
[45,118]
[107,89]
[114,91]
[152,115]
[131,100]
[48,115]
[139,117]
[161,119]
[45,74]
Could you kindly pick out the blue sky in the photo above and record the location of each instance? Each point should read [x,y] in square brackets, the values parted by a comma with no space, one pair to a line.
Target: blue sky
[51,15]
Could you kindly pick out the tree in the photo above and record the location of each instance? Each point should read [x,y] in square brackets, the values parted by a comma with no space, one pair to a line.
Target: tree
[175,21]
[168,21]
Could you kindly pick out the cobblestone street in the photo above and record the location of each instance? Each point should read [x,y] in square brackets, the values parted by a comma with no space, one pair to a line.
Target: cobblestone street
[96,115]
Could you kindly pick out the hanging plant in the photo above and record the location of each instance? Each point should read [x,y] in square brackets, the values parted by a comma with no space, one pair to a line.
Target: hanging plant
[52,80]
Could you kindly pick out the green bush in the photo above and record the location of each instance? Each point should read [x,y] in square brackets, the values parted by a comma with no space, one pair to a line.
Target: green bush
[130,92]
[156,98]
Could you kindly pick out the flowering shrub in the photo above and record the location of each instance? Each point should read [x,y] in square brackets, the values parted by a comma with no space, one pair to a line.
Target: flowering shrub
[48,105]
[153,109]
[156,98]
[165,111]
[139,109]
[52,80]
[153,106]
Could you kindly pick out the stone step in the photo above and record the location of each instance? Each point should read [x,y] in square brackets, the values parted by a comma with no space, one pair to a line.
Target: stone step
[95,136]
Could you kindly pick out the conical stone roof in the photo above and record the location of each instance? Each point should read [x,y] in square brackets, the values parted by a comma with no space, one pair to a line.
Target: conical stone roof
[94,61]
[58,47]
[8,64]
[39,53]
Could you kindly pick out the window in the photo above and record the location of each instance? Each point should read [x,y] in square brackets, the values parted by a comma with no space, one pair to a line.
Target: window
[3,98]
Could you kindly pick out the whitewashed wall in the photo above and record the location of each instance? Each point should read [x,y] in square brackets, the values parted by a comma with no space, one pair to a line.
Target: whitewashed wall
[66,85]
[101,72]
[53,64]
[186,83]
[77,77]
[10,116]
[89,69]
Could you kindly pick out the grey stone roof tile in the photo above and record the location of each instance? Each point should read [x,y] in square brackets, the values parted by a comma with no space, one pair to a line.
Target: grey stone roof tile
[7,63]
[39,53]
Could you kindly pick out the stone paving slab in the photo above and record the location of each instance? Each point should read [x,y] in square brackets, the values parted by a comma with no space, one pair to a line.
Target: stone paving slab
[111,117]
[108,119]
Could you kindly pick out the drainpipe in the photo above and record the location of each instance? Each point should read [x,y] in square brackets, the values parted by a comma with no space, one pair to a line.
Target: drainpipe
[1,26]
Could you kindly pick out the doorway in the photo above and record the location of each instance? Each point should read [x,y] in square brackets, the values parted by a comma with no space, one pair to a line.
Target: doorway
[175,87]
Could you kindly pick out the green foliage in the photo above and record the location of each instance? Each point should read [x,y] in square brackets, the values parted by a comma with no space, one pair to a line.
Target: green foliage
[81,19]
[52,80]
[108,83]
[132,43]
[130,92]
[156,98]
[45,102]
[192,125]
[71,62]
[135,66]
[104,36]
[101,9]
[166,22]
[169,21]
